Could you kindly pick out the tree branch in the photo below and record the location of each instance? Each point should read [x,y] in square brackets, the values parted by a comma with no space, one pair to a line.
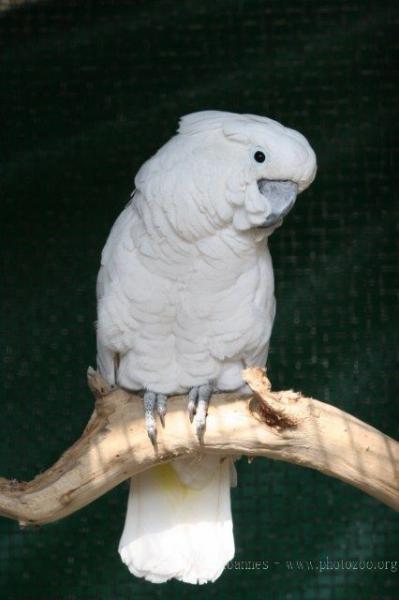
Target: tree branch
[280,425]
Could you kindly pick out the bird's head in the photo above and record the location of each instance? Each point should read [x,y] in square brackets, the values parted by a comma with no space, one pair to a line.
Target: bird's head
[225,169]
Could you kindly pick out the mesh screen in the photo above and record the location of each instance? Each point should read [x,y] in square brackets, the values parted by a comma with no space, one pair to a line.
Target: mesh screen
[89,90]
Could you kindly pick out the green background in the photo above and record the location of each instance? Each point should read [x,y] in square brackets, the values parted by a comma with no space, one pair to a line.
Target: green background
[89,90]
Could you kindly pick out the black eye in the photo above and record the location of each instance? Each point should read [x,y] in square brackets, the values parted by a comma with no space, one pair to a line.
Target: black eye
[259,156]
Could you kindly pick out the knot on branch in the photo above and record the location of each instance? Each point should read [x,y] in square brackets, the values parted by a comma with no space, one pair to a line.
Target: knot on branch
[265,404]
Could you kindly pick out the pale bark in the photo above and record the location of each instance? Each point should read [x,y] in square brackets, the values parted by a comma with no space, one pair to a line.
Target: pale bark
[280,425]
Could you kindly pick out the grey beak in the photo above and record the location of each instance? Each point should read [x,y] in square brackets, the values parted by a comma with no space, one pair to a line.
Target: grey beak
[280,196]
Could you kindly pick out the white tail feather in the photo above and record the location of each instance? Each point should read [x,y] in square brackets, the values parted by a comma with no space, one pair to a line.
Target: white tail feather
[175,531]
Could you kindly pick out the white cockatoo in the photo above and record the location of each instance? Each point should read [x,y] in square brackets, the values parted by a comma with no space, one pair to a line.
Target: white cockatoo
[185,303]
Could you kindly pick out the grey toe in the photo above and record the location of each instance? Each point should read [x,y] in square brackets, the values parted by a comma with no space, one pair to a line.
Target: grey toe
[154,402]
[192,402]
[149,405]
[161,407]
[198,402]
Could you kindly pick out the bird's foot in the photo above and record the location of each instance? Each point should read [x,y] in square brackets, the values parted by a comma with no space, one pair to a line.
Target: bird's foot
[198,402]
[154,403]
